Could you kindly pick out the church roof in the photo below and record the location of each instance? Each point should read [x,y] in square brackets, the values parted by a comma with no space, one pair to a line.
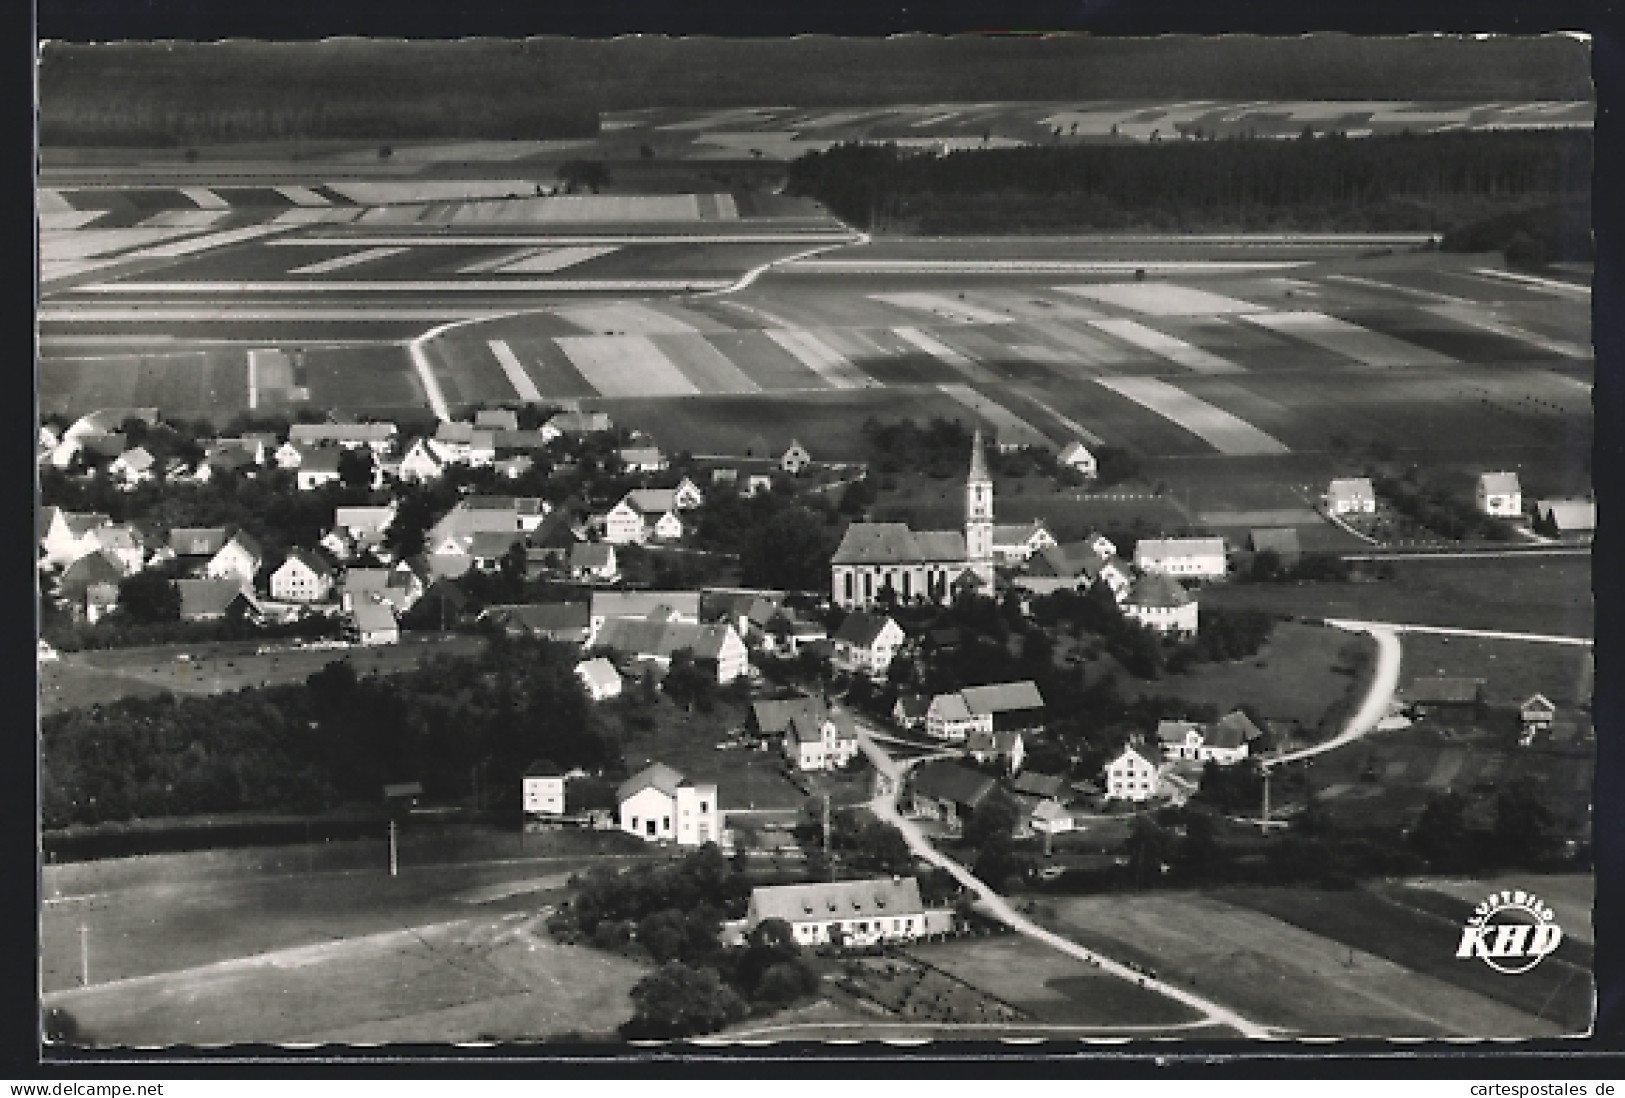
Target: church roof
[877,543]
[978,459]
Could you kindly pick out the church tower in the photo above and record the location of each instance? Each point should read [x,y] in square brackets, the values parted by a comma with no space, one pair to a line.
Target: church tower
[979,514]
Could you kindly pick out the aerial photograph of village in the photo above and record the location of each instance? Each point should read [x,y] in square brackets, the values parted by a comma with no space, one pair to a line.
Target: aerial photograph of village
[1040,540]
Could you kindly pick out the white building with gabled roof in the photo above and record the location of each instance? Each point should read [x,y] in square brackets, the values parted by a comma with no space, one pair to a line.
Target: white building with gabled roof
[851,912]
[658,804]
[1499,495]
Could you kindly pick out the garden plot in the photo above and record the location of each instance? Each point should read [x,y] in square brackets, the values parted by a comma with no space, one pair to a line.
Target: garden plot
[1165,346]
[1351,340]
[1161,299]
[946,308]
[708,368]
[836,369]
[1218,428]
[626,366]
[339,262]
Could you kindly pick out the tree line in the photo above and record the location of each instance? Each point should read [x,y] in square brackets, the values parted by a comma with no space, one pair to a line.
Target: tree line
[1404,181]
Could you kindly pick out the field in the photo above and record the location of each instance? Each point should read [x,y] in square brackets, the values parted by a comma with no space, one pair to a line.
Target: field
[1570,896]
[1294,677]
[1517,594]
[1308,981]
[204,956]
[86,678]
[1511,670]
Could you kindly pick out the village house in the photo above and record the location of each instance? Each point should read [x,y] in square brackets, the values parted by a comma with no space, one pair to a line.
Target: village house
[463,444]
[372,622]
[1049,817]
[90,572]
[1075,456]
[1186,558]
[239,558]
[377,437]
[866,643]
[541,791]
[658,804]
[1016,543]
[1005,748]
[1006,706]
[949,718]
[656,639]
[214,599]
[420,463]
[875,557]
[317,469]
[302,577]
[489,548]
[857,913]
[1134,774]
[795,458]
[749,612]
[559,621]
[755,484]
[677,605]
[132,468]
[943,790]
[1569,516]
[787,633]
[192,548]
[657,512]
[1161,603]
[577,424]
[909,711]
[358,530]
[623,524]
[400,587]
[811,736]
[1444,698]
[1499,495]
[593,562]
[124,544]
[599,678]
[1224,742]
[642,459]
[496,419]
[68,535]
[1351,496]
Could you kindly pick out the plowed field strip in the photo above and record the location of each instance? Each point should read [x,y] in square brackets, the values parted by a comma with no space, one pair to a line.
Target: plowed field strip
[766,363]
[339,262]
[1219,429]
[1160,298]
[835,368]
[550,368]
[522,385]
[622,318]
[1350,340]
[708,368]
[626,366]
[1166,346]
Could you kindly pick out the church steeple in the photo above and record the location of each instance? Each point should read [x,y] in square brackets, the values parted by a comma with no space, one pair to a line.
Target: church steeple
[979,512]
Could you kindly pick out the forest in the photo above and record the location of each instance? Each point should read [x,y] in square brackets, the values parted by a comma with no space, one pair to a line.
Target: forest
[335,739]
[1437,182]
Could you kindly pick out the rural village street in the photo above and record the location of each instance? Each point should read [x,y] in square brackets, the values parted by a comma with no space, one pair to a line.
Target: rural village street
[884,806]
[1384,682]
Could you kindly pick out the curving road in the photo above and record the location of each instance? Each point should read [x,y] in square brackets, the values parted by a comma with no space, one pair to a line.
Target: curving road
[1383,685]
[884,806]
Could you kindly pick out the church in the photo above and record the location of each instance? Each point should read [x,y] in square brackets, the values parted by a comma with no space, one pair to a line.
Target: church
[919,564]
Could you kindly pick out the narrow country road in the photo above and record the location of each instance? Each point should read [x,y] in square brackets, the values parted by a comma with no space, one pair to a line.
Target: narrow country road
[1383,685]
[1454,631]
[884,806]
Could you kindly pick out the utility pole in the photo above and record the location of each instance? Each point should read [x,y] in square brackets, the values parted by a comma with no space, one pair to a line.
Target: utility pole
[828,860]
[394,861]
[1264,823]
[84,955]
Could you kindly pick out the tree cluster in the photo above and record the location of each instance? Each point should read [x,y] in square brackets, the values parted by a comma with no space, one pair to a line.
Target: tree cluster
[1438,508]
[335,739]
[1268,567]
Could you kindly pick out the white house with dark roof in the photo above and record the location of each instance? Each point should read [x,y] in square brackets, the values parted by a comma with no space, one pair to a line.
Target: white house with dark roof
[65,536]
[213,599]
[1499,495]
[866,643]
[420,463]
[593,561]
[1006,748]
[657,640]
[852,912]
[378,437]
[1015,543]
[1225,742]
[372,622]
[678,605]
[317,469]
[1160,602]
[929,564]
[194,546]
[132,468]
[1351,496]
[642,459]
[949,718]
[816,740]
[124,544]
[302,577]
[1537,715]
[1134,774]
[239,558]
[658,804]
[1187,558]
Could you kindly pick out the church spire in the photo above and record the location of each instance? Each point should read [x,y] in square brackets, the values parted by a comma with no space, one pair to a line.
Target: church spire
[978,460]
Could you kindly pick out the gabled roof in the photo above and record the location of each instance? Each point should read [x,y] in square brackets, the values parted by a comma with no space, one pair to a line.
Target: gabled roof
[247,543]
[587,554]
[1498,483]
[125,537]
[1158,590]
[658,775]
[211,597]
[317,433]
[1175,731]
[1164,548]
[652,501]
[1538,703]
[876,543]
[314,561]
[493,544]
[808,728]
[940,545]
[372,615]
[641,455]
[497,419]
[828,900]
[137,460]
[1569,514]
[542,617]
[1234,729]
[944,780]
[1445,690]
[950,707]
[647,637]
[639,604]
[1039,785]
[1144,752]
[1003,697]
[1057,562]
[1001,743]
[861,629]
[580,423]
[774,715]
[79,523]
[517,440]
[1349,489]
[1073,451]
[325,462]
[92,568]
[197,541]
[1017,533]
[106,421]
[370,519]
